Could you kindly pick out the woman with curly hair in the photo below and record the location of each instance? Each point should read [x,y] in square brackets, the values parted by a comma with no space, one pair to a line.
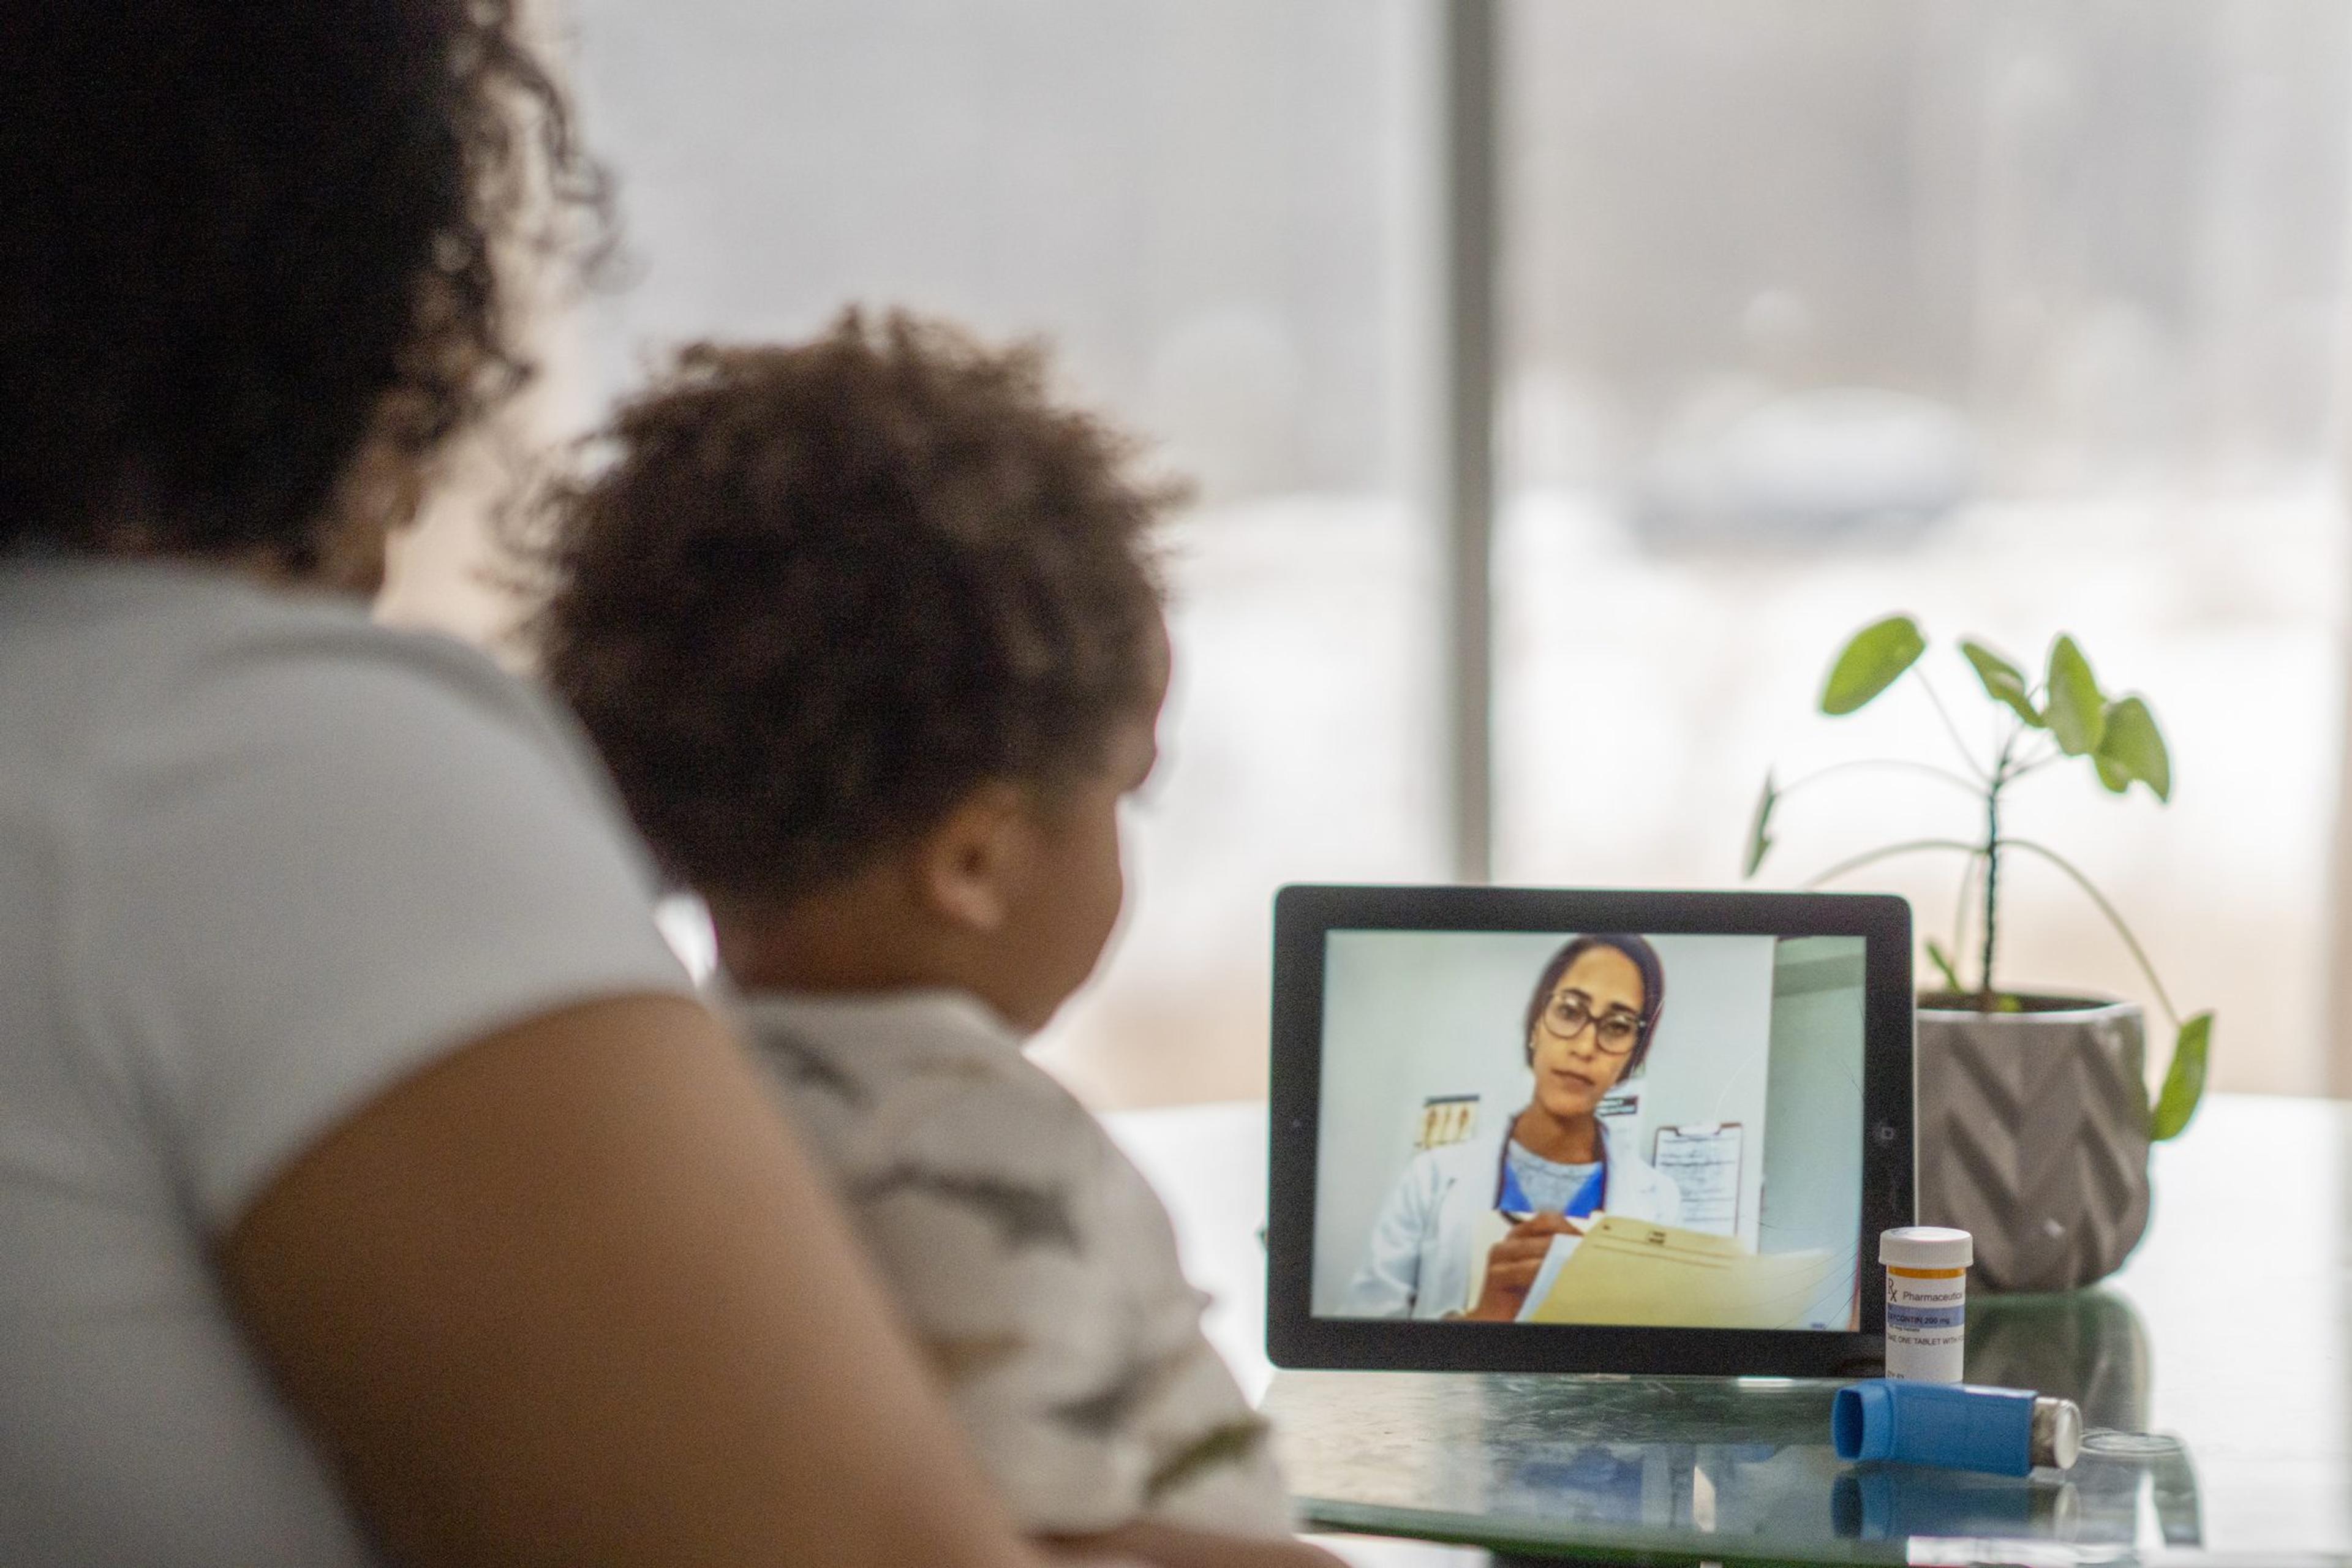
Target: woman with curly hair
[371,1185]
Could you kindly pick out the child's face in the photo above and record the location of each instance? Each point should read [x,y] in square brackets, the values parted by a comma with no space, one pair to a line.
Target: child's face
[1055,933]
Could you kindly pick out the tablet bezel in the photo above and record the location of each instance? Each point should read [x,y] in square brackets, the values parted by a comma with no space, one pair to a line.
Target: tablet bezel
[1294,1337]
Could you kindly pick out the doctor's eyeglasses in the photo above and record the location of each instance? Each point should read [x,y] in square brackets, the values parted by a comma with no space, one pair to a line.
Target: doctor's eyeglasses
[1614,1033]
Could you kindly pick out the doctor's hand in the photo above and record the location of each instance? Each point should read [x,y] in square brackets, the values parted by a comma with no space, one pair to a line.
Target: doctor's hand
[1512,1266]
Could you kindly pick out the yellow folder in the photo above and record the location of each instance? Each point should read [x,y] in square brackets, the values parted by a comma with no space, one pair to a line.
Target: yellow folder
[1659,1276]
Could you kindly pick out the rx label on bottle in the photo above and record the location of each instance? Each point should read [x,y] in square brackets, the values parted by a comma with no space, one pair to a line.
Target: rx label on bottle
[1926,1326]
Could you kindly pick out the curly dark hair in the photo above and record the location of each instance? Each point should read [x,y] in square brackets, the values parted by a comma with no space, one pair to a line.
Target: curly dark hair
[822,592]
[241,241]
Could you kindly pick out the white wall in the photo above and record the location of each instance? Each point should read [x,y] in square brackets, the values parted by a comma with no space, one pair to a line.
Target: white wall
[1411,1015]
[1812,1153]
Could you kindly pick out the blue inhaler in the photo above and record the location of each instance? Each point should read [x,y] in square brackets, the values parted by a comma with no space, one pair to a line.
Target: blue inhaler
[2001,1431]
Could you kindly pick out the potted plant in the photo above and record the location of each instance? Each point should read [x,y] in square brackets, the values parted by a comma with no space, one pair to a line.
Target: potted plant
[2033,1115]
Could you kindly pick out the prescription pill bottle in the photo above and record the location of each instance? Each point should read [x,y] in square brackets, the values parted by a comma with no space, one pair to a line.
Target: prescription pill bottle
[1926,1301]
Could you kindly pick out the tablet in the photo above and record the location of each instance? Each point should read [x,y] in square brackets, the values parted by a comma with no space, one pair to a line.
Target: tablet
[1527,1130]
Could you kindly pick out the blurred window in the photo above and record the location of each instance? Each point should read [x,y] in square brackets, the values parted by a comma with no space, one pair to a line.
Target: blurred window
[2023,315]
[1214,210]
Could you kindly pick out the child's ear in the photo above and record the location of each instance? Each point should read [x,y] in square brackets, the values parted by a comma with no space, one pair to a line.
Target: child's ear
[969,870]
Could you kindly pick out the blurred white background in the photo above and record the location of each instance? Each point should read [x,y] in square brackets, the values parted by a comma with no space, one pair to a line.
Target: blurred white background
[2022,315]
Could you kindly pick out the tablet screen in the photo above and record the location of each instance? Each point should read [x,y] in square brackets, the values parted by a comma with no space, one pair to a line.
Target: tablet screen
[1644,1128]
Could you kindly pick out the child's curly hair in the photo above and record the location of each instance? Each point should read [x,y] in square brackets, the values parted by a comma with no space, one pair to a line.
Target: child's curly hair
[822,592]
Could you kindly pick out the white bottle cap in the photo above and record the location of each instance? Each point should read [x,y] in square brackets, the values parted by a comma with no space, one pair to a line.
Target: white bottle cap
[1926,1246]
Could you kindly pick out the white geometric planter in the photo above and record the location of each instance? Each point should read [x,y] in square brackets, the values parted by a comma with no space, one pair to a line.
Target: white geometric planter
[2034,1137]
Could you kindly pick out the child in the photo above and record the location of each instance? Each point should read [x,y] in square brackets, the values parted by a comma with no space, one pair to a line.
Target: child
[869,633]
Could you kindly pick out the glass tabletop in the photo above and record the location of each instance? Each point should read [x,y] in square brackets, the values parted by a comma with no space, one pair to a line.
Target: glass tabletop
[2213,1372]
[1723,1470]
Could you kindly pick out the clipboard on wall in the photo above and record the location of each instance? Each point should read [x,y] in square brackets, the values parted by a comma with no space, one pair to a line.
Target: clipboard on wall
[1703,1161]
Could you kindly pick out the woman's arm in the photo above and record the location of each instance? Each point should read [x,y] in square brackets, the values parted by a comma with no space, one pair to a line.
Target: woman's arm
[572,1295]
[1513,1264]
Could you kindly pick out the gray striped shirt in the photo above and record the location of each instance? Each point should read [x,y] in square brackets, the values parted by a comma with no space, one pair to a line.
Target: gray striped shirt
[1033,1261]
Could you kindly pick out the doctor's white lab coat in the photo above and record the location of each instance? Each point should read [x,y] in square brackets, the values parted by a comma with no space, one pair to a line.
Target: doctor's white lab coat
[1418,1264]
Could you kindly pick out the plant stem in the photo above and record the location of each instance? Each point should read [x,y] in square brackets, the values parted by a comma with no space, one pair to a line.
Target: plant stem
[2036,763]
[1909,847]
[2139,955]
[2002,773]
[1950,728]
[1960,909]
[1929,769]
[1991,893]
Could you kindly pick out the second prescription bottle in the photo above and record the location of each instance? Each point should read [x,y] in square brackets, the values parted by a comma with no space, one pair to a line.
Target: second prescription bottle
[1926,1301]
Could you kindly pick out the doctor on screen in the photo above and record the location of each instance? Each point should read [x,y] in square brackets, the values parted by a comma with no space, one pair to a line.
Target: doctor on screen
[1551,1168]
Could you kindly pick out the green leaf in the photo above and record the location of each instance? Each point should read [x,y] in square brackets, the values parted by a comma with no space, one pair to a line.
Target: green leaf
[2133,747]
[2078,714]
[2004,681]
[1872,662]
[2184,1080]
[1944,966]
[1760,835]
